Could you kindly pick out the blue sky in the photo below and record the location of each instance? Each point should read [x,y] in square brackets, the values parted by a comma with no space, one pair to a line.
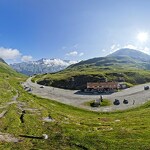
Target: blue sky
[71,29]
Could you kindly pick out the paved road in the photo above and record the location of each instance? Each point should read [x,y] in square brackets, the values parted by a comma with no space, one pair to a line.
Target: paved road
[72,97]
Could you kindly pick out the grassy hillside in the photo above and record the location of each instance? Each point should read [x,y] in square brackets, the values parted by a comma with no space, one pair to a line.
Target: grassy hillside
[5,69]
[114,60]
[69,128]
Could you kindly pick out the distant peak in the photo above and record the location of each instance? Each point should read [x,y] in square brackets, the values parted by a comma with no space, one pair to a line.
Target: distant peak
[43,65]
[127,50]
[135,54]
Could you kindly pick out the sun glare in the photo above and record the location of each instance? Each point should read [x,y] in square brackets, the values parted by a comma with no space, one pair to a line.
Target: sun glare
[142,36]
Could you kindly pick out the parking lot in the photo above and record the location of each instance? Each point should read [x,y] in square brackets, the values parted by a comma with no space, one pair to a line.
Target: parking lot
[136,96]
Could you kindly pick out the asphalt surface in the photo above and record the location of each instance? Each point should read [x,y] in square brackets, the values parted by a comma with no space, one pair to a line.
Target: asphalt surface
[136,96]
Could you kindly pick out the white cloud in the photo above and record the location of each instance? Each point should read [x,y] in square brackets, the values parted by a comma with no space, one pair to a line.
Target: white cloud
[81,54]
[147,50]
[73,53]
[9,53]
[58,62]
[55,62]
[113,47]
[26,58]
[130,46]
[144,50]
[72,62]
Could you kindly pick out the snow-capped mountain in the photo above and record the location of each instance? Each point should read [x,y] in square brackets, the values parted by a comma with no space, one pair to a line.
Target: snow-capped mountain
[42,66]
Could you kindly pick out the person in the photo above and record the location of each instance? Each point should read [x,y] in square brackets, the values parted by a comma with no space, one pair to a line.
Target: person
[133,102]
[101,98]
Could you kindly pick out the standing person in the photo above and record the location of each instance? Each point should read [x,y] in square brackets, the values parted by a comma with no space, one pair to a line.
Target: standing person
[101,98]
[133,102]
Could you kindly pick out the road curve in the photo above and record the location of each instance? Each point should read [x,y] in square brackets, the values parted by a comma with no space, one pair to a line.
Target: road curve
[135,94]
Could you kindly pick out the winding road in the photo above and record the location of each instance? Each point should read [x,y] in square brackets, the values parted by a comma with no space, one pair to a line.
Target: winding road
[135,94]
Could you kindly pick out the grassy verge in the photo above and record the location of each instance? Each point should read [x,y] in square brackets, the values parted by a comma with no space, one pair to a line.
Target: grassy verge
[72,128]
[105,102]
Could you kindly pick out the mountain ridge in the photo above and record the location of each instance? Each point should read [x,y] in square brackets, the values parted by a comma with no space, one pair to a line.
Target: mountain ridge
[43,65]
[131,57]
[135,54]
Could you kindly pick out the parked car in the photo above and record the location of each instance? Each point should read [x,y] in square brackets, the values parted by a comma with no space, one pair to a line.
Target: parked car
[125,101]
[146,87]
[41,86]
[116,102]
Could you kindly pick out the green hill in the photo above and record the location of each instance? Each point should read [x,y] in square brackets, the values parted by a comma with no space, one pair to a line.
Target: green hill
[4,68]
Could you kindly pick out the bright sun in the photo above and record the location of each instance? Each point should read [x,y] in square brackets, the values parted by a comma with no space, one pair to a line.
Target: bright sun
[142,36]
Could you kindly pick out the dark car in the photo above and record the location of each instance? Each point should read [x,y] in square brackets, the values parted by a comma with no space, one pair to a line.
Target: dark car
[116,102]
[125,101]
[146,87]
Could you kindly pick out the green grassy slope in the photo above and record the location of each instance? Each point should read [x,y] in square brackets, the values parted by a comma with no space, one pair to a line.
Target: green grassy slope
[71,128]
[5,69]
[8,79]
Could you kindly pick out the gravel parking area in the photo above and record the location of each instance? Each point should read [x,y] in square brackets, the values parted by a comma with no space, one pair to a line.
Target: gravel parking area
[136,96]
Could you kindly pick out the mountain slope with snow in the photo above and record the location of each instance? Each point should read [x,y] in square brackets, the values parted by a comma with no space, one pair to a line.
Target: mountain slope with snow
[41,66]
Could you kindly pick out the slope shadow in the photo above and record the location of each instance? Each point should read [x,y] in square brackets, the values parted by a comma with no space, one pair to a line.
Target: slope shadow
[90,93]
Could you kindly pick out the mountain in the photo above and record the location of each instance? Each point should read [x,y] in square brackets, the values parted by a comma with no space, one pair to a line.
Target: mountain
[41,66]
[130,57]
[132,53]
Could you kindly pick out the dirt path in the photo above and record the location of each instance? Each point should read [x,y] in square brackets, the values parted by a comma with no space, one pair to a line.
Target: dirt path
[23,109]
[136,94]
